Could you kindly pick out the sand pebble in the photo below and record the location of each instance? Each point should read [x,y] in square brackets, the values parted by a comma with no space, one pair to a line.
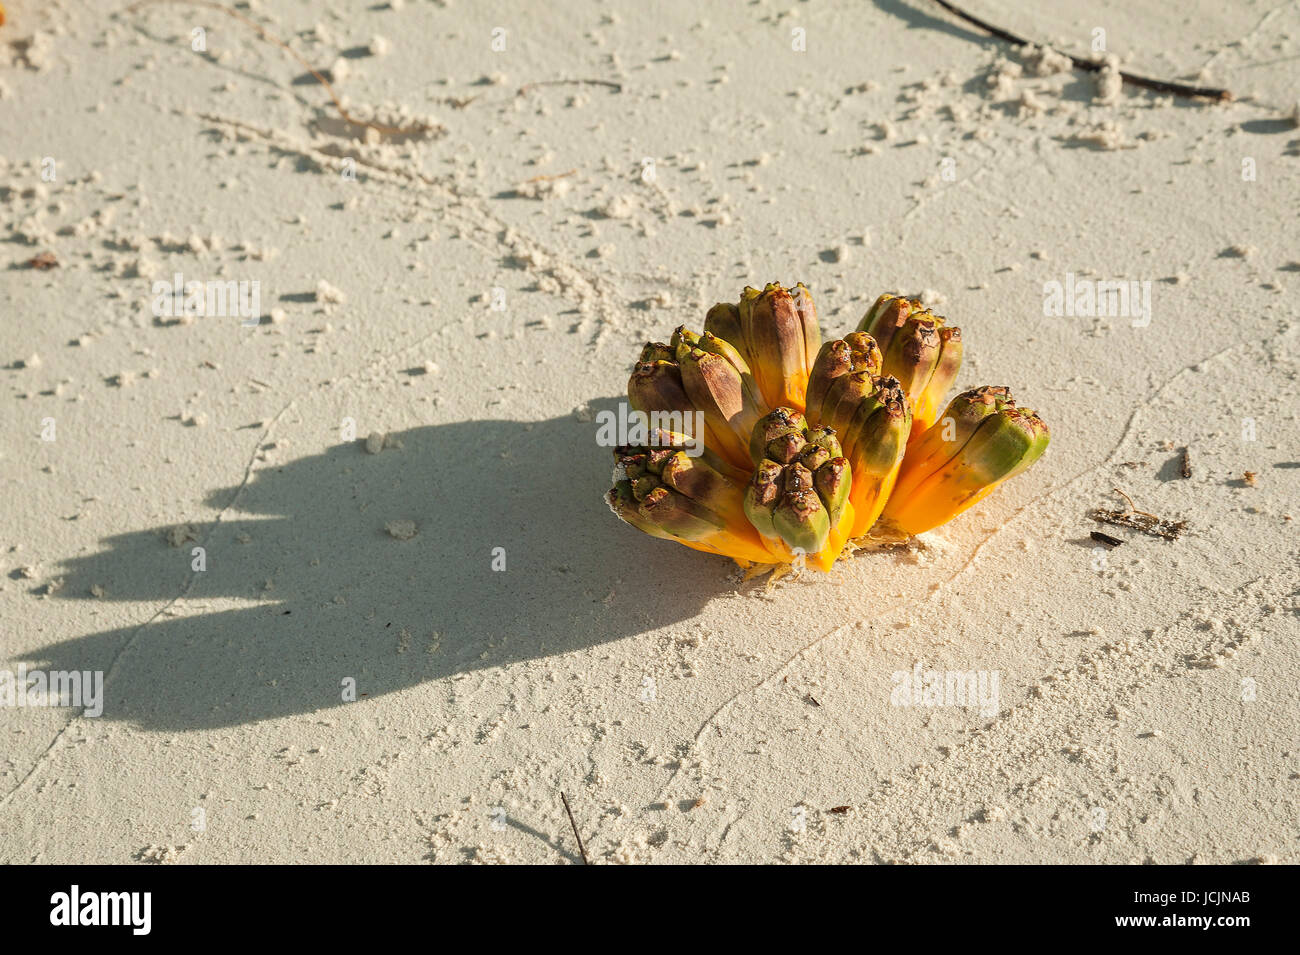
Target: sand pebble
[1109,82]
[402,530]
[327,293]
[1044,61]
[1030,104]
[177,536]
[544,188]
[619,207]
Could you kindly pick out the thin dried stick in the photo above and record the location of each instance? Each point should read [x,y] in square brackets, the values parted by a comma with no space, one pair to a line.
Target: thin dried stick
[1139,520]
[581,848]
[1092,66]
[1131,507]
[272,38]
[616,87]
[560,175]
[1169,530]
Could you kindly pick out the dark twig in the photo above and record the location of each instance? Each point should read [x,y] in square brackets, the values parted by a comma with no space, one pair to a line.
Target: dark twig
[581,849]
[1106,539]
[1187,463]
[1093,66]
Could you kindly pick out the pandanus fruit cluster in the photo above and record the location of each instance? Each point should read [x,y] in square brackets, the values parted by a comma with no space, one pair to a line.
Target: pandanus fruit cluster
[808,449]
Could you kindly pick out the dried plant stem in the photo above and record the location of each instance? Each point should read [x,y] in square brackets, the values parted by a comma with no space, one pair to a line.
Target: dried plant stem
[1093,66]
[582,849]
[559,175]
[1139,520]
[616,87]
[1131,507]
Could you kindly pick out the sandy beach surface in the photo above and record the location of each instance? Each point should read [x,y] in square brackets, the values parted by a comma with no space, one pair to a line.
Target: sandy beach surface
[386,484]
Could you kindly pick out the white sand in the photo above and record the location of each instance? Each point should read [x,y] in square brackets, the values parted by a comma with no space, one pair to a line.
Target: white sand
[1148,705]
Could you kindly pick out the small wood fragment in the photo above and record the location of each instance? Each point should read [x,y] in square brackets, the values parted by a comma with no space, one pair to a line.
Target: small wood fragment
[616,87]
[563,175]
[1187,463]
[840,810]
[581,848]
[1139,520]
[1169,530]
[1106,539]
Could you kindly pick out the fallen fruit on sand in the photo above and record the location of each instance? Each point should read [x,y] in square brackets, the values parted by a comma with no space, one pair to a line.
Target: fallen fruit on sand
[918,349]
[798,496]
[944,475]
[802,451]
